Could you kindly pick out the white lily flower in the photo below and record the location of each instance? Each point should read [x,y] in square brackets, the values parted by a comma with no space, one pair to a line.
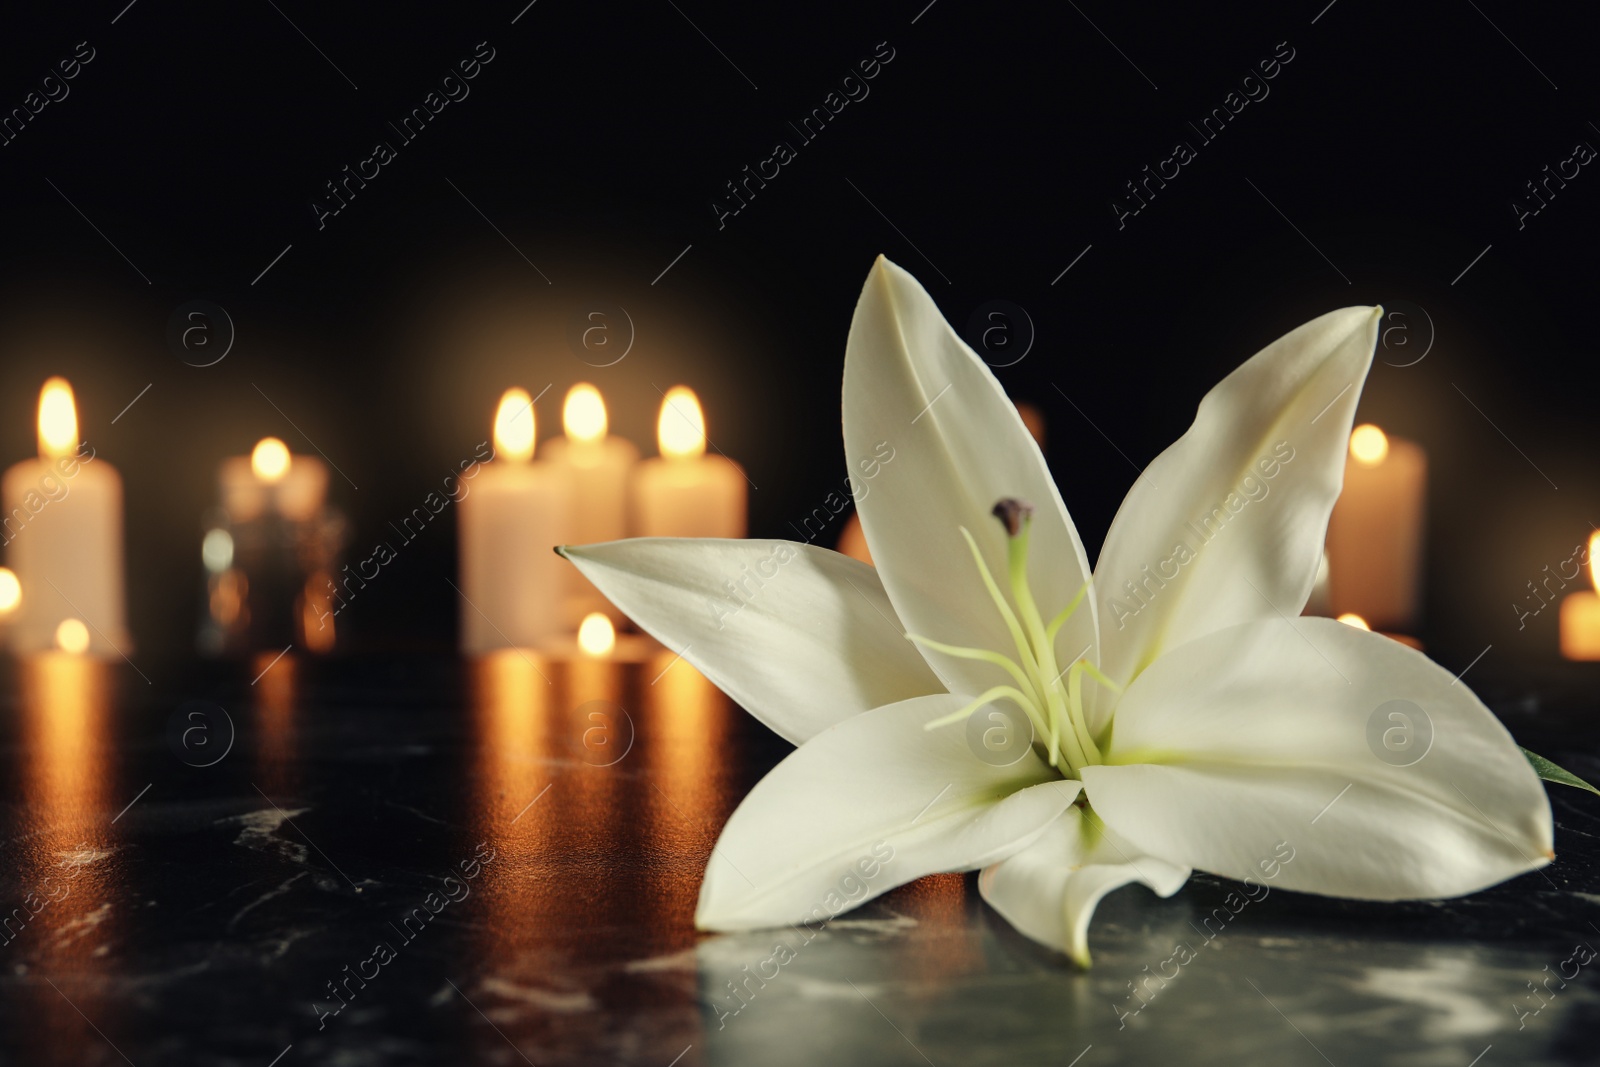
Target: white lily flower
[1183,716]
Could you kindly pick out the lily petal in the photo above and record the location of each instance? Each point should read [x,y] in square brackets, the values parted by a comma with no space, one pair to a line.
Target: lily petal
[1276,737]
[1227,524]
[867,805]
[931,427]
[1050,889]
[799,636]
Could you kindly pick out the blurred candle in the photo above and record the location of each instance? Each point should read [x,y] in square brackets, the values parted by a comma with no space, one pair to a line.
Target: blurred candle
[597,466]
[1375,532]
[511,578]
[684,492]
[270,480]
[1580,613]
[63,532]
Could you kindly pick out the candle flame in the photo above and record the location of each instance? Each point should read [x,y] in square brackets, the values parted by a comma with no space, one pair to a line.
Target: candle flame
[583,416]
[514,426]
[1368,445]
[270,460]
[1350,618]
[596,636]
[72,636]
[681,429]
[1594,564]
[10,591]
[58,419]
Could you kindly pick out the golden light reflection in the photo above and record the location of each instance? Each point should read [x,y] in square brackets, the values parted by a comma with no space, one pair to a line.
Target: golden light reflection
[511,699]
[1350,618]
[66,708]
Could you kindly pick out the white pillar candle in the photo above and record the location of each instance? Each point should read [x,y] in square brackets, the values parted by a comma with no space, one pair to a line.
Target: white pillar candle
[511,578]
[63,533]
[1375,532]
[271,481]
[684,492]
[597,466]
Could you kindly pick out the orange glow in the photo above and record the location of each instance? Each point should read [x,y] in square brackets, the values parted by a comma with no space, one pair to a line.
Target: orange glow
[317,632]
[270,460]
[681,427]
[1369,445]
[58,419]
[1350,618]
[583,416]
[1580,626]
[514,426]
[227,597]
[10,591]
[72,636]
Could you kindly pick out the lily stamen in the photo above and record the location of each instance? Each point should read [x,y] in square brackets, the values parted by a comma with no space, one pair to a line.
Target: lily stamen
[1052,697]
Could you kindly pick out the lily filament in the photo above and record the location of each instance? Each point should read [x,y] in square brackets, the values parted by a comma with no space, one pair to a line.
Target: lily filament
[1050,695]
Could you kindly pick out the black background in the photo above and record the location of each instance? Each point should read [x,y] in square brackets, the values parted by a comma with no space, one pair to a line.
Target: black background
[599,136]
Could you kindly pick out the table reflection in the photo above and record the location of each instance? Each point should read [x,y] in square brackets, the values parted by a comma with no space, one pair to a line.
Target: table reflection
[62,918]
[276,708]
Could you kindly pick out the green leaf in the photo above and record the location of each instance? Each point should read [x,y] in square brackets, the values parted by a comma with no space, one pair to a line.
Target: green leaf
[1551,773]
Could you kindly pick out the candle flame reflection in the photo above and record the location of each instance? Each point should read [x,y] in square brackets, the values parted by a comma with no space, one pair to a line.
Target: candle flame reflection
[66,712]
[276,702]
[511,699]
[596,636]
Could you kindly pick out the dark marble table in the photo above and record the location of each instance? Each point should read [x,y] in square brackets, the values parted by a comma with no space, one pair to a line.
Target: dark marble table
[416,861]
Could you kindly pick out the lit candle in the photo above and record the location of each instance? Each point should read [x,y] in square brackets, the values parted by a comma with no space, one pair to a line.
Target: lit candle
[1580,613]
[63,531]
[597,466]
[684,492]
[1375,532]
[271,481]
[511,578]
